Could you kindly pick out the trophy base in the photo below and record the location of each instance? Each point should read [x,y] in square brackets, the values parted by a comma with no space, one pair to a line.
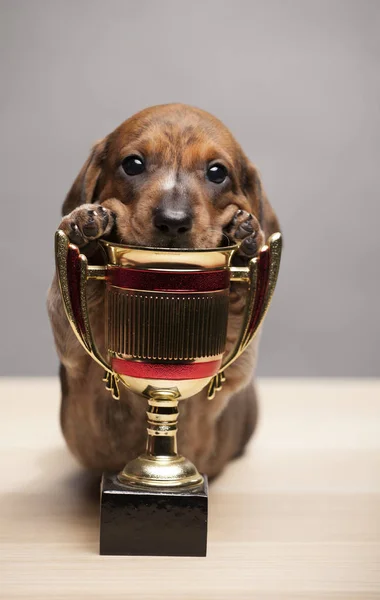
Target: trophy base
[147,471]
[152,522]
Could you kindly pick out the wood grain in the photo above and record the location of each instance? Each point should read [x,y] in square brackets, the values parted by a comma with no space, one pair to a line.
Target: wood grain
[298,517]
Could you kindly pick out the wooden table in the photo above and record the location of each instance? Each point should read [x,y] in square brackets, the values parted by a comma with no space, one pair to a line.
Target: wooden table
[298,517]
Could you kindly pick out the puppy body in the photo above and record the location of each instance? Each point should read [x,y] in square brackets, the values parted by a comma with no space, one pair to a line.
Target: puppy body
[174,201]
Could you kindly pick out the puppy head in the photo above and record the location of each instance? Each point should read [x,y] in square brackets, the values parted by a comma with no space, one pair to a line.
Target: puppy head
[175,176]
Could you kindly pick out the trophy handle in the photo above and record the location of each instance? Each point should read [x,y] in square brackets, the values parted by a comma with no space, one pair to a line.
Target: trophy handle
[73,272]
[261,275]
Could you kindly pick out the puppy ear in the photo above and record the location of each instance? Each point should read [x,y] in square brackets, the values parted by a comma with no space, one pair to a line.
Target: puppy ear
[260,204]
[83,189]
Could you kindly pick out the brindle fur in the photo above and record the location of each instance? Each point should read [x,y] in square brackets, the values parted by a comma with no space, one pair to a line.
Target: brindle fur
[102,433]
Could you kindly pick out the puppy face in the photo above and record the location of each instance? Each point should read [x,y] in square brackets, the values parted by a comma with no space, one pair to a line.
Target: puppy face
[174,176]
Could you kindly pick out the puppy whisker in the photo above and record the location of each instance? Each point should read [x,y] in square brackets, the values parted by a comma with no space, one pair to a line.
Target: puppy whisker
[225,240]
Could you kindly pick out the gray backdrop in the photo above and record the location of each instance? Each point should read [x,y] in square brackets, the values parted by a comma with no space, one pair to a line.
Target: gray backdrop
[298,84]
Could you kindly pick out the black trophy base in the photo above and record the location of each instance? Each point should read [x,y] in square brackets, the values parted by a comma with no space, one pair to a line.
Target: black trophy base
[152,523]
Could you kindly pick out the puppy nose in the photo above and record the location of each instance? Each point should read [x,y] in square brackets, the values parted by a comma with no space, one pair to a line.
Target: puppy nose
[172,222]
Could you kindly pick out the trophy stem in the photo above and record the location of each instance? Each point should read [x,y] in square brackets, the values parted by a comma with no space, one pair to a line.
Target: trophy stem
[162,428]
[161,466]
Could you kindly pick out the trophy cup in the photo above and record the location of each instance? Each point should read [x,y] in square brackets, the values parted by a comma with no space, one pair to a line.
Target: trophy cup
[166,315]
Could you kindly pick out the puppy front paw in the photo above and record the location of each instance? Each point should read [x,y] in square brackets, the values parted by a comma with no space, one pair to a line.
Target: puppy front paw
[245,230]
[86,223]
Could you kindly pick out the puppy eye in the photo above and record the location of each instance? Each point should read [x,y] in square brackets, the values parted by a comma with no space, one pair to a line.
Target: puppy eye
[216,173]
[133,165]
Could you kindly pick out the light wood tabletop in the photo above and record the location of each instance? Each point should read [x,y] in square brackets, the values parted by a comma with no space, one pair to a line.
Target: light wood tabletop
[298,517]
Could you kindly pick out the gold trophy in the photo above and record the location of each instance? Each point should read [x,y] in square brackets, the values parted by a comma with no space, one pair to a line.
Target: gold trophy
[166,316]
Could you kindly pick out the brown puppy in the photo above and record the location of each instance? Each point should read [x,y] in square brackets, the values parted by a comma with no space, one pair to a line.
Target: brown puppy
[170,176]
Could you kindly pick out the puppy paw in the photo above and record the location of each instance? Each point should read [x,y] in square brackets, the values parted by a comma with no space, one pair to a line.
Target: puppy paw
[86,223]
[245,230]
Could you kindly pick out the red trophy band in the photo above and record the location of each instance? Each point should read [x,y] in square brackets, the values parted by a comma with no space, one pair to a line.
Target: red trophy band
[177,371]
[168,281]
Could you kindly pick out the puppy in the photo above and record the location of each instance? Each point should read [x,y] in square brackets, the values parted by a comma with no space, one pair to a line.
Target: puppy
[170,176]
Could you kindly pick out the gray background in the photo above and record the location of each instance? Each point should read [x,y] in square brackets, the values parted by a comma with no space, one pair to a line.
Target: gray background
[297,83]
